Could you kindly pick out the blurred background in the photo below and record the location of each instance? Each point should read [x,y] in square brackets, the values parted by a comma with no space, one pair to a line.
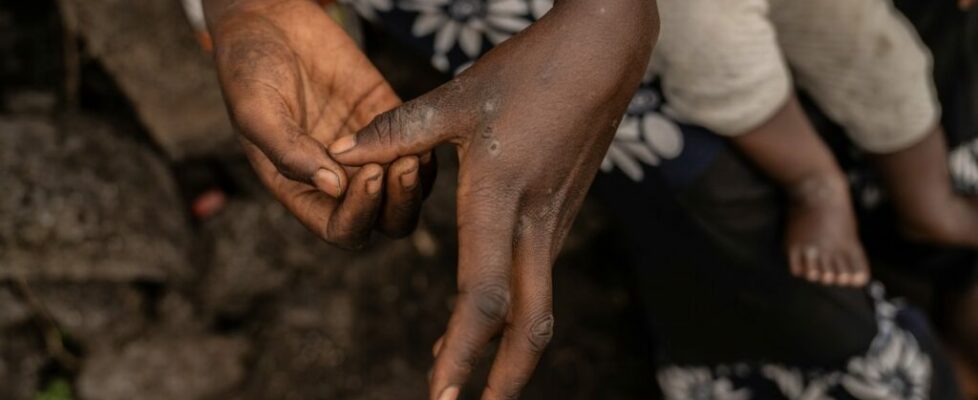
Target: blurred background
[141,259]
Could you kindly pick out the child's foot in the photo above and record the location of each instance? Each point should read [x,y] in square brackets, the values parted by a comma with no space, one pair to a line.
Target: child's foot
[822,239]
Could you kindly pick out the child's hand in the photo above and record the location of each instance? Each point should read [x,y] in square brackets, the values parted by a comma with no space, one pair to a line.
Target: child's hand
[294,82]
[531,120]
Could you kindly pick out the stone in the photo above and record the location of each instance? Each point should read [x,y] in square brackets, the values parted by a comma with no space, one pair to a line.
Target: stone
[94,314]
[22,357]
[149,48]
[165,367]
[82,201]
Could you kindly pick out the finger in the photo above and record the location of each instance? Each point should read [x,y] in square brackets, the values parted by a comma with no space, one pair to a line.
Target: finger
[402,204]
[436,348]
[355,215]
[262,115]
[525,340]
[311,206]
[413,128]
[429,171]
[485,258]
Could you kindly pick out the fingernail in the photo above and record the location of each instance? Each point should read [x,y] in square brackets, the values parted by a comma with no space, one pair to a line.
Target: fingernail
[343,144]
[328,182]
[409,179]
[449,394]
[373,185]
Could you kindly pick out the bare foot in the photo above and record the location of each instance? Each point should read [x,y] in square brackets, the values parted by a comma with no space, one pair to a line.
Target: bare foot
[822,240]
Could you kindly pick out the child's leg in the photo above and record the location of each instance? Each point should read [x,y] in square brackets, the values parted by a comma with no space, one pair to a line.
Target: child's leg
[722,68]
[883,96]
[821,237]
[919,184]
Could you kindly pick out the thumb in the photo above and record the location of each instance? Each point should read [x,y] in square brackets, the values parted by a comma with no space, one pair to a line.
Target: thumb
[264,122]
[413,128]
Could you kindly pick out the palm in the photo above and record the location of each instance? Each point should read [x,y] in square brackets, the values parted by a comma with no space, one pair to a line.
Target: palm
[294,83]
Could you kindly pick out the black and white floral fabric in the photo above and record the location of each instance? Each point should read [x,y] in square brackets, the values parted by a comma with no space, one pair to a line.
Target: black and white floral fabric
[964,167]
[645,135]
[893,368]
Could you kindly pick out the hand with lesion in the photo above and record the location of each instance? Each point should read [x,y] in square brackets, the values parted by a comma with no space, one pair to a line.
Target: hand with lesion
[294,82]
[531,122]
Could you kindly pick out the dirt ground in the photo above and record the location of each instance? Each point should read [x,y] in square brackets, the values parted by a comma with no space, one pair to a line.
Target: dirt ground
[111,288]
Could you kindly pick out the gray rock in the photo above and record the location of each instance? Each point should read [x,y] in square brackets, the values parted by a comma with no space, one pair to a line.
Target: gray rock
[81,202]
[257,248]
[13,311]
[21,359]
[165,367]
[149,48]
[94,314]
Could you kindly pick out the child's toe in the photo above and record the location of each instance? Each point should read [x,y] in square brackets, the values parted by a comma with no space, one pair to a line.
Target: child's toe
[828,273]
[845,271]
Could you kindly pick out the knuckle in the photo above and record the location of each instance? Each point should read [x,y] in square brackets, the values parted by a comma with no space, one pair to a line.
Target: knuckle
[382,127]
[289,163]
[540,331]
[491,301]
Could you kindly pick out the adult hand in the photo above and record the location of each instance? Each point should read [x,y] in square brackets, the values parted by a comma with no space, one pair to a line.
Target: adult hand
[294,82]
[531,121]
[966,4]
